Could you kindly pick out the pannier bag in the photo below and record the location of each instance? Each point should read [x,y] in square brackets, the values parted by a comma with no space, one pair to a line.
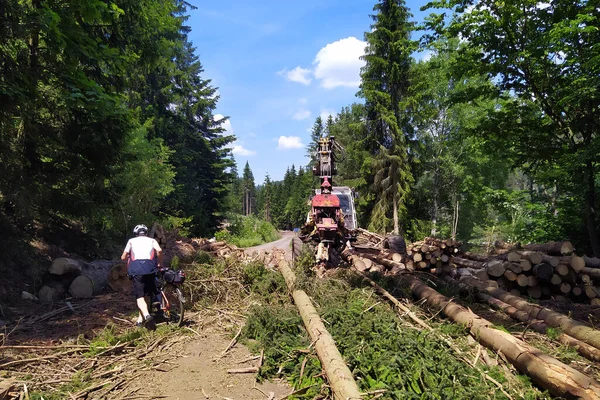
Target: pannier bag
[176,277]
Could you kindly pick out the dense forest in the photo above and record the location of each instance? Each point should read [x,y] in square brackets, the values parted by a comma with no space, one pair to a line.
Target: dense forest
[106,120]
[494,136]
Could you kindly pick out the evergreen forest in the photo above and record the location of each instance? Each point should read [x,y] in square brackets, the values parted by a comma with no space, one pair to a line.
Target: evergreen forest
[107,118]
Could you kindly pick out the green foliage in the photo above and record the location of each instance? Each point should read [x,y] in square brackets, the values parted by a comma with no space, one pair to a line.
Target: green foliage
[263,281]
[175,262]
[203,257]
[247,231]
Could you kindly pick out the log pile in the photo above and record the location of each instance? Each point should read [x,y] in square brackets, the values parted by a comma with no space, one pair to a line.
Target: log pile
[430,254]
[539,271]
[77,278]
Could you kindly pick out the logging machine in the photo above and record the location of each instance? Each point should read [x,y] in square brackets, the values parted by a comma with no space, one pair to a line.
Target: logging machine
[331,223]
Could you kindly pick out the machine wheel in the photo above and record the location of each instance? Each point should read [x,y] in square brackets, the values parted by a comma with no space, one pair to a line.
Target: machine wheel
[396,243]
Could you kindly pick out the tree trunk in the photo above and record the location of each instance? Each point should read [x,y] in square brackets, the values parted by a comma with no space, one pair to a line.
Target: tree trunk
[558,378]
[587,351]
[590,209]
[338,374]
[395,217]
[557,248]
[93,279]
[571,327]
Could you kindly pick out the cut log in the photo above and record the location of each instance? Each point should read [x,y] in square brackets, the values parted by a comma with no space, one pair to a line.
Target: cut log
[525,265]
[514,267]
[533,256]
[523,280]
[565,288]
[578,330]
[62,266]
[587,351]
[558,378]
[532,281]
[417,257]
[338,374]
[554,261]
[591,291]
[593,272]
[475,256]
[557,248]
[51,291]
[396,257]
[495,268]
[577,263]
[93,279]
[360,265]
[513,256]
[562,269]
[464,262]
[576,290]
[556,279]
[509,275]
[543,271]
[591,262]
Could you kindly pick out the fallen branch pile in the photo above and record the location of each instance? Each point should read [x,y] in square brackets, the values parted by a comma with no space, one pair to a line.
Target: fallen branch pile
[102,375]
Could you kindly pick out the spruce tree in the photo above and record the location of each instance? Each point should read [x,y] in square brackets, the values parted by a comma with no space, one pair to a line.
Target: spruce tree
[385,83]
[249,190]
[316,133]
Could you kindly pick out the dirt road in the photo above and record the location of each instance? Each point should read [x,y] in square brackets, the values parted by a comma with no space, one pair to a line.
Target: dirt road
[200,374]
[284,243]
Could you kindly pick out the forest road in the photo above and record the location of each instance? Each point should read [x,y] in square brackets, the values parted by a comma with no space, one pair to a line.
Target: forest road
[284,243]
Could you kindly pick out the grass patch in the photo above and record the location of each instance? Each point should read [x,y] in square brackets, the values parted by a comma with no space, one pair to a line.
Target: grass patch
[247,231]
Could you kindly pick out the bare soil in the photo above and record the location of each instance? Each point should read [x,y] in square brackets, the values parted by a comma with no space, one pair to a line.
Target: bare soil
[198,373]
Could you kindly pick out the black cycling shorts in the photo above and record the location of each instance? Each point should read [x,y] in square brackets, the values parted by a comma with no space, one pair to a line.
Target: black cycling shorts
[144,285]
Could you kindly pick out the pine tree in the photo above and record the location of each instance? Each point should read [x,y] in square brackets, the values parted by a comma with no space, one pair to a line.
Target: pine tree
[249,190]
[385,82]
[329,126]
[267,197]
[316,133]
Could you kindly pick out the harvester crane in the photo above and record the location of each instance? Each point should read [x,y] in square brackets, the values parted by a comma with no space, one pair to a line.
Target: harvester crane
[331,222]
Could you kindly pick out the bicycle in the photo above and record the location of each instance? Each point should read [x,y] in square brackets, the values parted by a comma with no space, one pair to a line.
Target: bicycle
[170,304]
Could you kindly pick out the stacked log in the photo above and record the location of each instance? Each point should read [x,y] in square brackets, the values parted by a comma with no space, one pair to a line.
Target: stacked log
[540,271]
[67,276]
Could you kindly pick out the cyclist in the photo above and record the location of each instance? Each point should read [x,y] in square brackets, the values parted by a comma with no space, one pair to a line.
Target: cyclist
[144,257]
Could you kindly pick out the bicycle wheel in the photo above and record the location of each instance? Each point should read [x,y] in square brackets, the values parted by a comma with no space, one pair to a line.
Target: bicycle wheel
[173,306]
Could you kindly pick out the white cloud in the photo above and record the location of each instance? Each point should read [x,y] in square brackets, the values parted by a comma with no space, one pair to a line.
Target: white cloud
[301,114]
[289,142]
[226,125]
[339,63]
[242,151]
[298,74]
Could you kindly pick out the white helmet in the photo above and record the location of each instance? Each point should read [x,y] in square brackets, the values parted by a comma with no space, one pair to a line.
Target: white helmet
[140,229]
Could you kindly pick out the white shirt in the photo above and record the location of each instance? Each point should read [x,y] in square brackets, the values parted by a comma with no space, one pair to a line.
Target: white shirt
[142,248]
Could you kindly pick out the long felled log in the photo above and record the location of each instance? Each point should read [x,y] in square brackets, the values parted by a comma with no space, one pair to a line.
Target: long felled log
[463,262]
[587,351]
[338,374]
[578,330]
[558,248]
[558,378]
[93,279]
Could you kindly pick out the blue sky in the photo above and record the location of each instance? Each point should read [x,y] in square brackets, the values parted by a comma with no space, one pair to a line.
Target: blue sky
[278,65]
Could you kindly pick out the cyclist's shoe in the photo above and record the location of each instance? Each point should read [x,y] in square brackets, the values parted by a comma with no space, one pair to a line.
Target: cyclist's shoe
[149,323]
[139,324]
